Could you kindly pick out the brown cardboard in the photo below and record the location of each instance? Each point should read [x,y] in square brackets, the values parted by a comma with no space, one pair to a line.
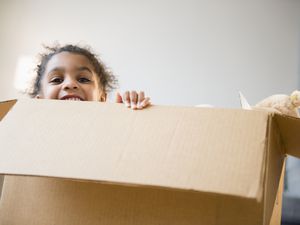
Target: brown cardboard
[5,107]
[70,202]
[276,214]
[289,128]
[162,165]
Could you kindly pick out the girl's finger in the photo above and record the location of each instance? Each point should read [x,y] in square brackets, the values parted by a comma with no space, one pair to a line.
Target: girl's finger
[141,97]
[126,98]
[119,98]
[146,102]
[133,99]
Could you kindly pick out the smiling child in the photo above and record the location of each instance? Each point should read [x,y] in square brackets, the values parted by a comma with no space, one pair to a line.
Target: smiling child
[75,73]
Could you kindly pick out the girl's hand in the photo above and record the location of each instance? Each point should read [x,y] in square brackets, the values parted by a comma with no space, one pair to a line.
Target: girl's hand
[133,100]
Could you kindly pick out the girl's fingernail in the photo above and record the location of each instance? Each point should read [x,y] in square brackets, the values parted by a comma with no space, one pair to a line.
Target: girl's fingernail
[133,105]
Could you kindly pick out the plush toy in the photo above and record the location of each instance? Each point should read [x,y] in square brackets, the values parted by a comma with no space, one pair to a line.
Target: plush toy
[283,104]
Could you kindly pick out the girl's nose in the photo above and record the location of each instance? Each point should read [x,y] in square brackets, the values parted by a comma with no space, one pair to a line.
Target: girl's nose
[70,83]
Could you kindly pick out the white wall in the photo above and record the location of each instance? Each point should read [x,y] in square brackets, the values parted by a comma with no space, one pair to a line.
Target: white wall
[180,52]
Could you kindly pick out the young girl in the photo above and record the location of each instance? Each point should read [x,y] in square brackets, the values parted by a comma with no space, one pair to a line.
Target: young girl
[75,73]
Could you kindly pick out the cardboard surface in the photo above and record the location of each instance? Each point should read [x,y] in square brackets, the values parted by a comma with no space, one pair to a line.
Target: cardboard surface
[84,203]
[274,167]
[173,147]
[277,209]
[94,163]
[5,107]
[289,129]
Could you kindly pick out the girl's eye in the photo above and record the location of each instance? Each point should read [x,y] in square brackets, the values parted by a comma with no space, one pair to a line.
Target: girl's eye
[84,80]
[56,80]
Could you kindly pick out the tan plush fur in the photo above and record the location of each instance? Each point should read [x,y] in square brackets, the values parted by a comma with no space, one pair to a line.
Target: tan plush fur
[285,104]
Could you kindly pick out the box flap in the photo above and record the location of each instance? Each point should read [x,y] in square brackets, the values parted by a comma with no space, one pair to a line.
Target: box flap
[201,149]
[41,201]
[289,130]
[5,107]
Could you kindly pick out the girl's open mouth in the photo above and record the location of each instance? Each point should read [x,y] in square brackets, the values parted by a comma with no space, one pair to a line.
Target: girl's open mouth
[72,98]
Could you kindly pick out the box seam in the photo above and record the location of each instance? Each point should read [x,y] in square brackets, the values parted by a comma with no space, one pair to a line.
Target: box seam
[266,169]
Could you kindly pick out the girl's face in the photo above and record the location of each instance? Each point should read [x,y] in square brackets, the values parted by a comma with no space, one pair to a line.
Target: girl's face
[70,76]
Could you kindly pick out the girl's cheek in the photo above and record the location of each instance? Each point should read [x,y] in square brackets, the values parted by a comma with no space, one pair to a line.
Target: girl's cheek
[51,92]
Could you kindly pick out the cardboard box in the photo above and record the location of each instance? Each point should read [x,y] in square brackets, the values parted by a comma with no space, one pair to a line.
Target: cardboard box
[68,162]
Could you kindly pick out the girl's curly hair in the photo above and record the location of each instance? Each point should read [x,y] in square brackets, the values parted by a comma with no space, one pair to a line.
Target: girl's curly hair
[107,81]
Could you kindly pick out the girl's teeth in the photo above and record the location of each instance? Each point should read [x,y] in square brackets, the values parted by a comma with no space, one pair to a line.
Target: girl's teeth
[74,99]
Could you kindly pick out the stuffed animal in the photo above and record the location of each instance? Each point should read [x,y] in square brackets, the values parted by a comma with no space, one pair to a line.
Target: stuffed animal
[283,104]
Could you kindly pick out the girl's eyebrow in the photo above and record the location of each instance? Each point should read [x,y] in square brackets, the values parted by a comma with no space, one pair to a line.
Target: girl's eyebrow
[62,69]
[83,68]
[55,69]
